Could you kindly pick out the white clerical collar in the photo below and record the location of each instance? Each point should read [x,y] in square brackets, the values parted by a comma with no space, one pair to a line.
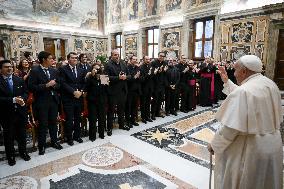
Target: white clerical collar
[254,75]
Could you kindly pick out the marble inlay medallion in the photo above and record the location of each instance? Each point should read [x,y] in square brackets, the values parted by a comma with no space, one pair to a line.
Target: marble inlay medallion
[102,156]
[18,182]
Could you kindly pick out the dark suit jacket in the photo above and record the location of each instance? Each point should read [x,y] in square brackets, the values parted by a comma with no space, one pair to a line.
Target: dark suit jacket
[37,81]
[159,78]
[147,84]
[117,87]
[134,85]
[89,68]
[69,83]
[95,90]
[7,109]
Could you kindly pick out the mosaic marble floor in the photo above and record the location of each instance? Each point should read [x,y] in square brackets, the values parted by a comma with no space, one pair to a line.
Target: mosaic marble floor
[168,153]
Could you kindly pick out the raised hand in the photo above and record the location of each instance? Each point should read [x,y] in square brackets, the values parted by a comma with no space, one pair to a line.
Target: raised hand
[222,71]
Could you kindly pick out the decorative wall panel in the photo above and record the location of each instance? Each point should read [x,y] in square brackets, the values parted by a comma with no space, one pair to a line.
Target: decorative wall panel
[101,46]
[23,42]
[90,46]
[130,45]
[170,42]
[241,37]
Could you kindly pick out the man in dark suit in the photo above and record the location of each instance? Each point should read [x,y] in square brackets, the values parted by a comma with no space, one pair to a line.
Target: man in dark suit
[160,67]
[44,83]
[147,86]
[172,77]
[72,87]
[13,112]
[118,74]
[83,63]
[134,91]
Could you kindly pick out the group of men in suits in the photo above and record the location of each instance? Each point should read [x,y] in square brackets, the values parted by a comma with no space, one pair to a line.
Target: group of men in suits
[149,85]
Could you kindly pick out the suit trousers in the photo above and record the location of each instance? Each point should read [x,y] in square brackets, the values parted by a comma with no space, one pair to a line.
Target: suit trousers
[131,106]
[14,128]
[145,103]
[47,118]
[97,112]
[73,109]
[170,100]
[158,98]
[119,102]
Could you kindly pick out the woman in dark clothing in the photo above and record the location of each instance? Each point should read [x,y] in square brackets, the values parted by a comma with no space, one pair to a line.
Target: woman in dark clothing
[23,69]
[96,98]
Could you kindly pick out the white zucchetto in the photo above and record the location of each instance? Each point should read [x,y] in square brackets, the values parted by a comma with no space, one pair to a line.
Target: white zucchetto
[252,63]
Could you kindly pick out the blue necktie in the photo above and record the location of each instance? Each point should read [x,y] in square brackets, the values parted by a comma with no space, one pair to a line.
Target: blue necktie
[73,71]
[10,84]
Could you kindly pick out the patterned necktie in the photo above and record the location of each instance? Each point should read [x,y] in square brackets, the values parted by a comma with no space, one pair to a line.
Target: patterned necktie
[46,73]
[10,84]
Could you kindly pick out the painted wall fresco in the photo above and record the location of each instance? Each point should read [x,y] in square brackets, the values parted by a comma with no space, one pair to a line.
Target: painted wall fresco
[130,45]
[173,5]
[75,13]
[115,11]
[242,37]
[150,7]
[170,42]
[132,9]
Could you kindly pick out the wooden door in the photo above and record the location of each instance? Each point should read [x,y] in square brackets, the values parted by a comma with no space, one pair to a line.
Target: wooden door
[49,45]
[2,54]
[279,67]
[62,48]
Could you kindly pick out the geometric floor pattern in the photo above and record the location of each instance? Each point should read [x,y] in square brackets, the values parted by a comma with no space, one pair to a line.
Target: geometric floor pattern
[186,137]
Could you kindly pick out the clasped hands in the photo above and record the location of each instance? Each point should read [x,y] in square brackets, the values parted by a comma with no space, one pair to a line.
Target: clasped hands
[77,93]
[19,100]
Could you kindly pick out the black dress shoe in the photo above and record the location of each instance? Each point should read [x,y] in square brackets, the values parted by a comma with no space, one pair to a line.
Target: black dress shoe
[174,113]
[124,128]
[160,115]
[11,161]
[78,140]
[41,151]
[129,125]
[134,123]
[144,121]
[25,156]
[70,142]
[92,139]
[102,136]
[109,132]
[150,120]
[56,145]
[153,118]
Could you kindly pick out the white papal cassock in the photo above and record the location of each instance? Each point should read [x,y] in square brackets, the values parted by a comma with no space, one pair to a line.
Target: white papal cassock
[248,146]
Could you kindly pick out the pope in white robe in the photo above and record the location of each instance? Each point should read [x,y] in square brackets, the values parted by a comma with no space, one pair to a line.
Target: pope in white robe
[248,146]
